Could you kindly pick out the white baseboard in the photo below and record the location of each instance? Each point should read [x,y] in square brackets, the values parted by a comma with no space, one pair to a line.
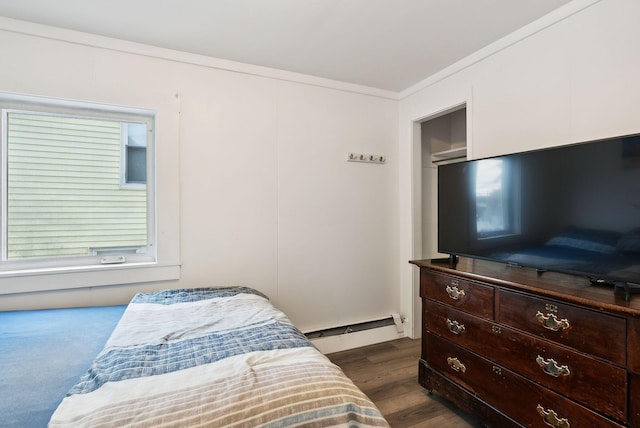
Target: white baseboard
[342,342]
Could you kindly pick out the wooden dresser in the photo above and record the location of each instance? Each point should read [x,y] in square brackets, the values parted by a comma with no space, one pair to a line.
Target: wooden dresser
[515,347]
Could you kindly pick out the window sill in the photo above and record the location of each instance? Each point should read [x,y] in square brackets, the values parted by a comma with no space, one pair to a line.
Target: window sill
[87,276]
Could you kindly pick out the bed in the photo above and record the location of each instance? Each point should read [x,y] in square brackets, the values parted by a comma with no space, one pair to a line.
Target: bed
[211,357]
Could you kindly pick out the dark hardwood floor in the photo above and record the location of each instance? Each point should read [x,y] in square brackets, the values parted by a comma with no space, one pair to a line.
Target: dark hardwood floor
[388,373]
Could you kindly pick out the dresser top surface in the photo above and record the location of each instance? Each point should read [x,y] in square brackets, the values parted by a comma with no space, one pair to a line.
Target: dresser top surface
[571,288]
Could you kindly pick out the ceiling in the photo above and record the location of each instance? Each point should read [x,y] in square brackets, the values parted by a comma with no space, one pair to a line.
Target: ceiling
[385,44]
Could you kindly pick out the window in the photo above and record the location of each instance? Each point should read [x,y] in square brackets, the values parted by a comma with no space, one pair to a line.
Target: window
[133,167]
[496,202]
[77,186]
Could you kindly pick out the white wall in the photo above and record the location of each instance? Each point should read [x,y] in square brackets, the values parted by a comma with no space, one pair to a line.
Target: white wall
[572,78]
[264,195]
[257,171]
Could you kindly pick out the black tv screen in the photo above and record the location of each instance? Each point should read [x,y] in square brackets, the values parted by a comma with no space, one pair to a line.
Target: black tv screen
[572,209]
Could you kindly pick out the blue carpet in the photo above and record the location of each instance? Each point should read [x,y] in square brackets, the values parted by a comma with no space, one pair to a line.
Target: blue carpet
[43,354]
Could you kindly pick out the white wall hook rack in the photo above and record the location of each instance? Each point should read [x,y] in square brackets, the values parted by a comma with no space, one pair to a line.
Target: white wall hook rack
[365,157]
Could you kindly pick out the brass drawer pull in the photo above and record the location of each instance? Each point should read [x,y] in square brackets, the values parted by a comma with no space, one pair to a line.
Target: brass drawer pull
[454,292]
[551,322]
[552,368]
[455,327]
[456,365]
[551,418]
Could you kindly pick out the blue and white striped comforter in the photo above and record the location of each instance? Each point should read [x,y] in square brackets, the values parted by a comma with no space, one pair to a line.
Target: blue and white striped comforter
[212,357]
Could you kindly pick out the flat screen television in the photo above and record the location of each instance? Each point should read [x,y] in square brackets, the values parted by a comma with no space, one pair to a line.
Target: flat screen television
[572,209]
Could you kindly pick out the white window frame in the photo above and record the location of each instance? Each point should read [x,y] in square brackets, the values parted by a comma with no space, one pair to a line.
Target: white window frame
[65,265]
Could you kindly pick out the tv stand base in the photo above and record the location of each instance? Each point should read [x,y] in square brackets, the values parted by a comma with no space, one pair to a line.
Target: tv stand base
[626,289]
[452,260]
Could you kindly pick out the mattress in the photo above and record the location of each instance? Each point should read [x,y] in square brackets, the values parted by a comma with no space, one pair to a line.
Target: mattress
[212,357]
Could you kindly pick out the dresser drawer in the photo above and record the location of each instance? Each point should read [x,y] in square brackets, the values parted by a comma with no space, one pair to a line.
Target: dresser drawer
[592,382]
[460,327]
[465,400]
[596,384]
[514,395]
[469,296]
[634,404]
[583,329]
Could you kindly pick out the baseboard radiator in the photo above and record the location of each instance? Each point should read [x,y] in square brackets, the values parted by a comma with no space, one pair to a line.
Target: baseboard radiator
[393,319]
